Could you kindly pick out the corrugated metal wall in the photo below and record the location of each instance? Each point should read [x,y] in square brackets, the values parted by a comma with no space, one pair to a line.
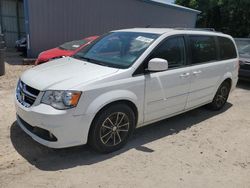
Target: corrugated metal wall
[54,22]
[12,25]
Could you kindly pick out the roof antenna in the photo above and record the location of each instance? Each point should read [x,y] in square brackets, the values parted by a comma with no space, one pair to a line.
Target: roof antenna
[148,26]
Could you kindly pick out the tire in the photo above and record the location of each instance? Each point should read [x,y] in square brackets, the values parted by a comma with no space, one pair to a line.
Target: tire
[220,97]
[111,128]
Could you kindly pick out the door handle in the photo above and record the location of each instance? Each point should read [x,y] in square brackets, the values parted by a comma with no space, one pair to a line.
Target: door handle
[197,72]
[185,75]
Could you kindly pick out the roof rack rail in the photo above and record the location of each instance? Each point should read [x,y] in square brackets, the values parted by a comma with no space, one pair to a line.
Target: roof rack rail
[196,29]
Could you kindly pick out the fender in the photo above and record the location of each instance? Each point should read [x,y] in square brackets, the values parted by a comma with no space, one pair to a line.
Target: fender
[109,97]
[223,78]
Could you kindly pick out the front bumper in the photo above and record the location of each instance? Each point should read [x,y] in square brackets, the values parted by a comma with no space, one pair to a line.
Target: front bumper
[60,128]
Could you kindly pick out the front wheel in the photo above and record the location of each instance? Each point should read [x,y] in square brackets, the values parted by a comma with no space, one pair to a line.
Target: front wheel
[220,97]
[112,128]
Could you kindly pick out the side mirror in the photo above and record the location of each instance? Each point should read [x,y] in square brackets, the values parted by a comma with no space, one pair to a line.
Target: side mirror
[157,65]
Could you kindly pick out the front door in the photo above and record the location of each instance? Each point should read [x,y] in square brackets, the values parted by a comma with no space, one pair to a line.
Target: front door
[166,92]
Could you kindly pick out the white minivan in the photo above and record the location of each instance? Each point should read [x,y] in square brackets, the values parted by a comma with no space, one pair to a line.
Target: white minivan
[124,80]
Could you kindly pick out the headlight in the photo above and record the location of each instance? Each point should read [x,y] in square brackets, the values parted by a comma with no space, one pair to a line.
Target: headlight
[61,99]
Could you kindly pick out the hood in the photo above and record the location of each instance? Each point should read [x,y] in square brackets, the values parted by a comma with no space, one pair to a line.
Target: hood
[64,74]
[53,53]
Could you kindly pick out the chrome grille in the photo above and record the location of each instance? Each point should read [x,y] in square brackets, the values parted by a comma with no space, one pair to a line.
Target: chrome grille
[25,94]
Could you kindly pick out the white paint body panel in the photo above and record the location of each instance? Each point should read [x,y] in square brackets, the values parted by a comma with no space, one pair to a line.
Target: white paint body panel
[166,93]
[64,73]
[156,96]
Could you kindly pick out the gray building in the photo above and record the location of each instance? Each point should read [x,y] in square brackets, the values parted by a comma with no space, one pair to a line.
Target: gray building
[12,21]
[49,23]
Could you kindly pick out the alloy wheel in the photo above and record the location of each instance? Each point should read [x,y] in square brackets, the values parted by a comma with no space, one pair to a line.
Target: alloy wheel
[221,97]
[114,129]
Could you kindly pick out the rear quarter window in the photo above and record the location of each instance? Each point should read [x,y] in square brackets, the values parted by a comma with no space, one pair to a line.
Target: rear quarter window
[227,48]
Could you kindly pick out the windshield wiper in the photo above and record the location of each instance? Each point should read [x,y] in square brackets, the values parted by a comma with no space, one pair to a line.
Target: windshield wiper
[82,58]
[99,63]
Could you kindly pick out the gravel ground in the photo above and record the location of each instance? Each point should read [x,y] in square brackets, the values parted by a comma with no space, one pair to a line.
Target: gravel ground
[196,149]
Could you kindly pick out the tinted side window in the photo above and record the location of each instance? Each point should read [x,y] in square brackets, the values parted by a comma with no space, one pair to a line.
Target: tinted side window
[227,48]
[203,49]
[172,50]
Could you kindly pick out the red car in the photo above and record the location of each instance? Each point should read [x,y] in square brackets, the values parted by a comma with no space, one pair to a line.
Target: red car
[66,49]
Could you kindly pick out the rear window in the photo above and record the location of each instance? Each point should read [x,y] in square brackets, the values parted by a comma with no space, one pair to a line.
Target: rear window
[227,48]
[203,49]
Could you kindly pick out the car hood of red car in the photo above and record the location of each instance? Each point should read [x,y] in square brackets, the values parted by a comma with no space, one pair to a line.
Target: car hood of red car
[54,53]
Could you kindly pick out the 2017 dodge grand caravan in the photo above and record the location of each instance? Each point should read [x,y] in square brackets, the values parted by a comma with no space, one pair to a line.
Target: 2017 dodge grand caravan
[124,80]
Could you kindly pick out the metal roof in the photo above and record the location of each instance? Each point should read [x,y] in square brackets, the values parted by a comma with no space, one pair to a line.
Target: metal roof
[171,5]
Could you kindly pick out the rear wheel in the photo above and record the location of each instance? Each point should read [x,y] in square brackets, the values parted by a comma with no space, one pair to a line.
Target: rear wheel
[112,128]
[220,97]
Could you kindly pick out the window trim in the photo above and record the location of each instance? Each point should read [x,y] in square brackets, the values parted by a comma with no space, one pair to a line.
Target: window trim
[141,70]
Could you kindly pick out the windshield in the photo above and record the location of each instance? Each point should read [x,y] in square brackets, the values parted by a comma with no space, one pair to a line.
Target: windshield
[73,45]
[243,46]
[117,49]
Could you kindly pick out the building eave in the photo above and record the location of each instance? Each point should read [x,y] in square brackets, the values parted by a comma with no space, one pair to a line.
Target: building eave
[171,5]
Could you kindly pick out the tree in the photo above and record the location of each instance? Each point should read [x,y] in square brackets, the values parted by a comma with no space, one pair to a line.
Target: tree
[228,16]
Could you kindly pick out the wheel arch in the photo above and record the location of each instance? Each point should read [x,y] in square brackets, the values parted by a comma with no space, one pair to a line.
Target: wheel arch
[228,77]
[111,97]
[228,80]
[127,102]
[114,97]
[121,101]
